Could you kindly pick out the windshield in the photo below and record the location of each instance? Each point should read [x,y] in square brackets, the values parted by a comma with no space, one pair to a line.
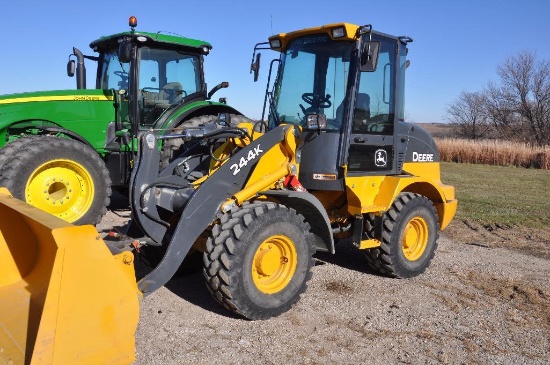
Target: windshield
[312,79]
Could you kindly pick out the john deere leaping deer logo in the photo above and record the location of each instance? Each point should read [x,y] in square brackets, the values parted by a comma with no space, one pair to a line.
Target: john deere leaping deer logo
[380,158]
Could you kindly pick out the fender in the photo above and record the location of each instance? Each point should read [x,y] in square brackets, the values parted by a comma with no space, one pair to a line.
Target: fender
[195,109]
[54,129]
[69,133]
[314,212]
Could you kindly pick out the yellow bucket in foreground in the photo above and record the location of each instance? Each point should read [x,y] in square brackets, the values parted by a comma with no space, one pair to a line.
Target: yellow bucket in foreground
[64,298]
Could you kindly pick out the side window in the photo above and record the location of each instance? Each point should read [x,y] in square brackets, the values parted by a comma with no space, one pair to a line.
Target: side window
[373,113]
[185,72]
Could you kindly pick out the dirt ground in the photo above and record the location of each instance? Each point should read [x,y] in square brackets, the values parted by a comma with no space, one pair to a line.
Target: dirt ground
[484,299]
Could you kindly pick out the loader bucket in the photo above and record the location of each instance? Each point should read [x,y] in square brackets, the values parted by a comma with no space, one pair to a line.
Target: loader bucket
[64,298]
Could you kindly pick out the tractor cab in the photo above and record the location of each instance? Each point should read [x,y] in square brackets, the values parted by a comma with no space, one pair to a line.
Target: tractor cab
[156,81]
[344,85]
[149,73]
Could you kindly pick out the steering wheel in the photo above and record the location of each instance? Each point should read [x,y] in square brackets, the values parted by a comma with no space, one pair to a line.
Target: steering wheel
[173,93]
[123,75]
[317,100]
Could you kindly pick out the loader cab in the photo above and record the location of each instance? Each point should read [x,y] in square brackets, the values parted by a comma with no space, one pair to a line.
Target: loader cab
[344,85]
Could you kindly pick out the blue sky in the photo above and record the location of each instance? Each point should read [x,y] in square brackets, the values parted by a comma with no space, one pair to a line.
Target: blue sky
[457,44]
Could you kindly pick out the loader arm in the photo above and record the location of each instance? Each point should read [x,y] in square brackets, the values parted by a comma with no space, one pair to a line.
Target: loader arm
[153,193]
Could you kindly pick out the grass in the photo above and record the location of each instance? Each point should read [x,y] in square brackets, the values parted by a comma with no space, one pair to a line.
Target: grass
[500,196]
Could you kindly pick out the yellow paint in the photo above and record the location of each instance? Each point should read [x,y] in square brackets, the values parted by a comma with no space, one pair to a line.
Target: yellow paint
[415,238]
[65,299]
[370,243]
[274,264]
[362,192]
[427,170]
[272,165]
[31,99]
[375,194]
[261,184]
[61,187]
[286,38]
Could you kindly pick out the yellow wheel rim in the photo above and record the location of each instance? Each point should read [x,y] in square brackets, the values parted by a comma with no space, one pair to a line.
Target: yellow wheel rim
[274,264]
[63,188]
[415,238]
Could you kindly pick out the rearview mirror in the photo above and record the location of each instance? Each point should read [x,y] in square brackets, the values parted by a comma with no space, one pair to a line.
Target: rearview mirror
[125,51]
[255,67]
[369,56]
[70,68]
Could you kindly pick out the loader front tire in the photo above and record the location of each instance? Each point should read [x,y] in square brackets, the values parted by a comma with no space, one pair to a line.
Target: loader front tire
[409,238]
[259,259]
[63,177]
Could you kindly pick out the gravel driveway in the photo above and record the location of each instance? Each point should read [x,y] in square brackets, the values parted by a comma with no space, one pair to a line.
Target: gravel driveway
[475,304]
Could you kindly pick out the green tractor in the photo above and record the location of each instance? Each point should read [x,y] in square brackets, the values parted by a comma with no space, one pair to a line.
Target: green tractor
[65,151]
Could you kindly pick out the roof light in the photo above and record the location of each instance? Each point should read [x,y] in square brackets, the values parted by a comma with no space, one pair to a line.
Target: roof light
[205,50]
[275,43]
[132,22]
[338,32]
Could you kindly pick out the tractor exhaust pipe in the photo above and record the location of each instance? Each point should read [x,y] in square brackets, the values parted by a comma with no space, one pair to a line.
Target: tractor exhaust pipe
[80,69]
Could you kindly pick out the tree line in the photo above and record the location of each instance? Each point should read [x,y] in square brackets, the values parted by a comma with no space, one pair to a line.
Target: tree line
[516,108]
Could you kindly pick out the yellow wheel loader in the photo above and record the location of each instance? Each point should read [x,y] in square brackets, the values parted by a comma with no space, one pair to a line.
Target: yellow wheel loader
[334,161]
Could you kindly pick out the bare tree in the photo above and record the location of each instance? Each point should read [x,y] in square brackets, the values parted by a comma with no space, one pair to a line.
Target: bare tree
[467,114]
[526,91]
[501,114]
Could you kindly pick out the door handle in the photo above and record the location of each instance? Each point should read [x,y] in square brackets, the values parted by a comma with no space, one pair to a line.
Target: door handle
[359,140]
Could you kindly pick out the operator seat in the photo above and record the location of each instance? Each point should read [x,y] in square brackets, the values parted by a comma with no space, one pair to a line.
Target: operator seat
[361,114]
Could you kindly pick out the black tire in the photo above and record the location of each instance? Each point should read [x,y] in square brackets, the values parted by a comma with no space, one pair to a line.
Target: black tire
[234,266]
[410,231]
[8,150]
[172,147]
[61,176]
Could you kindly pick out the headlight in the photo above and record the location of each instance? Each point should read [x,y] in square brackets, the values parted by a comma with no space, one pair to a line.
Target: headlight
[150,139]
[275,43]
[316,121]
[338,32]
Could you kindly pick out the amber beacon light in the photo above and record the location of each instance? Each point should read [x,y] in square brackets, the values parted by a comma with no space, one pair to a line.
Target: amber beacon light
[132,22]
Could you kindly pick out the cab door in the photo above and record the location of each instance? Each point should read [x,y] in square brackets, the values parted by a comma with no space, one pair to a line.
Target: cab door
[371,144]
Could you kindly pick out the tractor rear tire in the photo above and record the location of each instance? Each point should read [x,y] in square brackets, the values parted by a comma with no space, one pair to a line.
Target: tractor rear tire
[172,147]
[259,259]
[409,238]
[64,177]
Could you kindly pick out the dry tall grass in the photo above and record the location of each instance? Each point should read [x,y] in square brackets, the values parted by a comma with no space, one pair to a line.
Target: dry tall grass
[493,152]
